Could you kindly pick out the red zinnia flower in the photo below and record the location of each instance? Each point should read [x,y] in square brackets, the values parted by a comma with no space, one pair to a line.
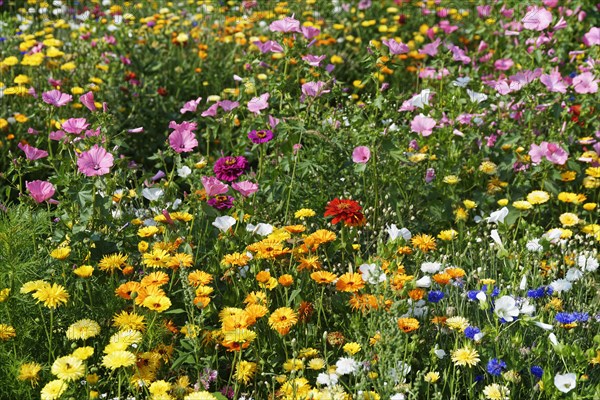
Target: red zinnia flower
[345,210]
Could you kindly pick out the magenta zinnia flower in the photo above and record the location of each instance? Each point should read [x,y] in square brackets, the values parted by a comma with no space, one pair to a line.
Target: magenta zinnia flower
[95,161]
[221,202]
[230,168]
[56,98]
[262,136]
[40,191]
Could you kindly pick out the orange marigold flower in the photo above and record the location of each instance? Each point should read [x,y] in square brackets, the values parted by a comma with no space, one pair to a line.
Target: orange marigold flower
[442,278]
[350,282]
[283,319]
[309,263]
[424,242]
[286,280]
[348,211]
[408,324]
[455,272]
[263,276]
[198,278]
[323,277]
[363,302]
[125,290]
[416,294]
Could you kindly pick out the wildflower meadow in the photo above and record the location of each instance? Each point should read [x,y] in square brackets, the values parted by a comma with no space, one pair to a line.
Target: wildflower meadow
[334,200]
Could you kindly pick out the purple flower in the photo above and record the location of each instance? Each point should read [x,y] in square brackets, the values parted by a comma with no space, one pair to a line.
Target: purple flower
[314,89]
[213,186]
[228,105]
[246,188]
[395,47]
[361,155]
[257,104]
[310,32]
[429,175]
[551,151]
[87,100]
[75,125]
[285,25]
[56,98]
[230,168]
[585,83]
[423,125]
[269,45]
[221,202]
[262,136]
[211,111]
[40,191]
[273,122]
[431,49]
[312,60]
[32,153]
[183,139]
[554,82]
[537,19]
[190,106]
[95,161]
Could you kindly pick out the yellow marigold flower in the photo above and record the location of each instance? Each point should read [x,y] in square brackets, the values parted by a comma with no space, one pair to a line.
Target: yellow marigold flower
[111,262]
[375,339]
[351,348]
[568,219]
[488,168]
[469,204]
[157,258]
[244,371]
[495,391]
[304,213]
[522,205]
[203,395]
[83,353]
[316,364]
[447,235]
[465,357]
[157,303]
[29,372]
[568,176]
[457,323]
[589,206]
[7,332]
[235,260]
[293,364]
[594,172]
[502,202]
[538,197]
[148,231]
[432,377]
[118,359]
[68,368]
[423,242]
[53,389]
[460,214]
[4,293]
[451,179]
[51,295]
[349,282]
[283,319]
[85,271]
[182,260]
[61,253]
[83,329]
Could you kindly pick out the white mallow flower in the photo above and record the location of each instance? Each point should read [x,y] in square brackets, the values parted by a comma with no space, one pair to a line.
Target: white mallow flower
[496,238]
[260,228]
[534,246]
[395,233]
[553,235]
[573,274]
[399,374]
[526,308]
[544,326]
[398,396]
[424,282]
[561,285]
[152,194]
[523,284]
[587,263]
[506,308]
[430,267]
[565,383]
[346,365]
[184,171]
[553,340]
[439,353]
[481,296]
[327,379]
[372,273]
[224,223]
[498,216]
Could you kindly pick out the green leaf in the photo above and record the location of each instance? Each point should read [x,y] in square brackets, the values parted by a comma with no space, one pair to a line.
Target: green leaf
[175,311]
[219,396]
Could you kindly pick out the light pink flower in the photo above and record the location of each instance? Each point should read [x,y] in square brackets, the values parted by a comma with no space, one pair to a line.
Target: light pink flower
[395,47]
[423,125]
[32,153]
[213,186]
[190,106]
[95,162]
[40,191]
[246,188]
[87,100]
[288,24]
[503,64]
[182,139]
[554,82]
[585,83]
[314,89]
[257,104]
[211,111]
[56,98]
[313,61]
[75,125]
[310,32]
[431,49]
[537,19]
[361,155]
[228,105]
[592,38]
[551,151]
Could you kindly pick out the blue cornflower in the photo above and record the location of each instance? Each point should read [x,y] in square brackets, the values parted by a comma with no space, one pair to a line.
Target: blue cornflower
[471,331]
[581,317]
[537,371]
[495,366]
[472,294]
[536,293]
[566,318]
[435,295]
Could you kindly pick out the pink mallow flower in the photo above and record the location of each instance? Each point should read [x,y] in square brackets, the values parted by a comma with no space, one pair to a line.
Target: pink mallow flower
[592,38]
[32,153]
[551,151]
[396,47]
[56,98]
[257,104]
[182,139]
[95,162]
[213,186]
[40,191]
[585,83]
[190,106]
[537,19]
[314,89]
[423,125]
[245,188]
[361,155]
[87,100]
[75,125]
[288,24]
[554,82]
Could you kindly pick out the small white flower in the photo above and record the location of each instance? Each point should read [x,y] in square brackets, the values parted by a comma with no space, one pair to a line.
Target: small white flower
[260,228]
[573,274]
[552,338]
[372,273]
[526,308]
[395,233]
[398,396]
[506,308]
[546,327]
[327,379]
[523,284]
[476,97]
[184,171]
[498,216]
[439,353]
[224,223]
[561,285]
[589,264]
[152,194]
[430,267]
[496,238]
[461,82]
[481,296]
[534,246]
[565,383]
[424,282]
[346,365]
